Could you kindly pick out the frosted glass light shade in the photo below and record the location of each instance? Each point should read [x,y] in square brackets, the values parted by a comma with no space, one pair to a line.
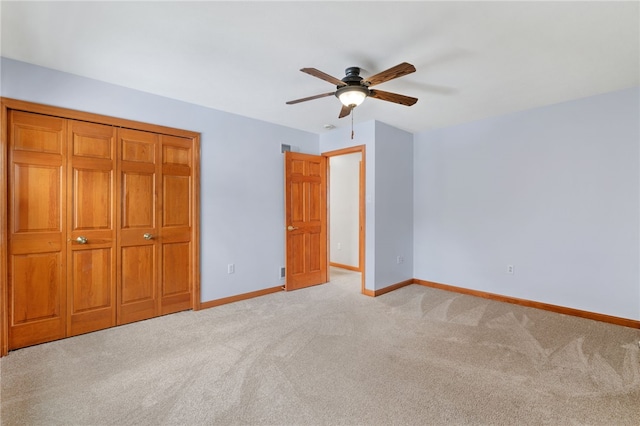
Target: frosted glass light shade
[352,97]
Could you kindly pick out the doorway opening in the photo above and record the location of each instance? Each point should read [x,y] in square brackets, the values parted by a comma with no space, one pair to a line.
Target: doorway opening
[346,213]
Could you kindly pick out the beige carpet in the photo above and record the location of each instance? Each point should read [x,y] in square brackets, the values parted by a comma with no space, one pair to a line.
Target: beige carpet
[328,355]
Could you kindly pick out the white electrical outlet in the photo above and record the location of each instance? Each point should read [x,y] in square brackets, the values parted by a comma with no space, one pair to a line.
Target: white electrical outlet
[510,269]
[231,268]
[400,259]
[339,246]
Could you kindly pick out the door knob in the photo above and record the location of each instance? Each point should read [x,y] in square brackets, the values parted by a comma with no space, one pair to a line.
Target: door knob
[148,236]
[291,228]
[82,240]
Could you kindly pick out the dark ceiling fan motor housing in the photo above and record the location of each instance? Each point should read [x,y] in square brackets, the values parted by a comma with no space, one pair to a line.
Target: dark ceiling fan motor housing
[352,74]
[353,82]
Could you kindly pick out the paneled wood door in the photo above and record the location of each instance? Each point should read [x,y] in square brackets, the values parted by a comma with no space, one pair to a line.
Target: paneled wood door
[306,220]
[91,278]
[36,229]
[176,246]
[138,212]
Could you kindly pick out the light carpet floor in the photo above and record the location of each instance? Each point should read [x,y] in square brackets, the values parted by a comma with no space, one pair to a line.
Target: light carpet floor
[328,355]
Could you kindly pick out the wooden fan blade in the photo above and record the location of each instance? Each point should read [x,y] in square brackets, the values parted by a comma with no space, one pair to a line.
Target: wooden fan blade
[324,76]
[310,98]
[393,97]
[346,110]
[393,72]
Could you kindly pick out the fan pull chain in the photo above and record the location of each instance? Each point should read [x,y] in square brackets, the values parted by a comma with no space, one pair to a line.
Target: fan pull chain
[352,108]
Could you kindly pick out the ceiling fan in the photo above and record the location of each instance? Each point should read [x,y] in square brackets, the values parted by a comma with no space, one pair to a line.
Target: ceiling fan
[353,89]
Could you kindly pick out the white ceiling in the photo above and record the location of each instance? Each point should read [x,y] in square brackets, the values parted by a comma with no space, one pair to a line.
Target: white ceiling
[473,59]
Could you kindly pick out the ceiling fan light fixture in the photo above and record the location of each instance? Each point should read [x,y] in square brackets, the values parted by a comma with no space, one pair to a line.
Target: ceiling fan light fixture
[353,89]
[352,96]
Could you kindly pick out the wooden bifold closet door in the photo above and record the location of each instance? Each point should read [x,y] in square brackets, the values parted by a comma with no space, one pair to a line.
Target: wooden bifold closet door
[37,222]
[154,245]
[91,246]
[101,223]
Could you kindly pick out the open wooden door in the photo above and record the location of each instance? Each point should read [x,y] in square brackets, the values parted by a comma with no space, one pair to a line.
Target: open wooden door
[306,220]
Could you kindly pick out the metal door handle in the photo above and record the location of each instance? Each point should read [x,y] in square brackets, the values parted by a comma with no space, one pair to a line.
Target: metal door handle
[291,228]
[82,240]
[148,236]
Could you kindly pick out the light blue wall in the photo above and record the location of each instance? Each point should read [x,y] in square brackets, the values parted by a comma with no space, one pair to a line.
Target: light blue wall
[394,205]
[553,191]
[242,198]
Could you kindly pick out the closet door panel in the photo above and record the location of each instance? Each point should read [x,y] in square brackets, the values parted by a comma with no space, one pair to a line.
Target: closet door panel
[92,300]
[176,195]
[37,229]
[35,210]
[91,276]
[176,277]
[36,299]
[138,295]
[138,200]
[138,242]
[92,198]
[37,133]
[177,269]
